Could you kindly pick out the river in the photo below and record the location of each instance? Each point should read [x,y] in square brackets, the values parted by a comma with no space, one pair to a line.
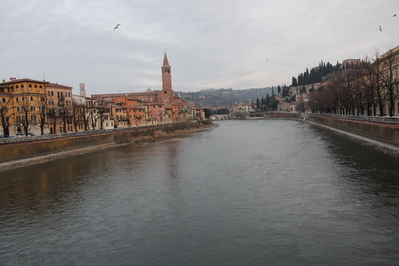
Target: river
[264,192]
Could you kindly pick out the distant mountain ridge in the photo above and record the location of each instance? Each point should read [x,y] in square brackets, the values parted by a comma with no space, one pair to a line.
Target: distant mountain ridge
[225,97]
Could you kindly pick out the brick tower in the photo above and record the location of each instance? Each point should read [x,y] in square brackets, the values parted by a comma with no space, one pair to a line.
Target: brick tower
[166,96]
[166,75]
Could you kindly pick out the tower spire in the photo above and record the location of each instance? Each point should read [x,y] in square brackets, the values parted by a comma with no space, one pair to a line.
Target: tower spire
[165,60]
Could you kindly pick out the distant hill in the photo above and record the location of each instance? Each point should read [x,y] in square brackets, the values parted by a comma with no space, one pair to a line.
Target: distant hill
[225,97]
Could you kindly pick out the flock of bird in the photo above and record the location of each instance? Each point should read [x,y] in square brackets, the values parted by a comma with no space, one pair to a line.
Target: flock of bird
[117,26]
[380,26]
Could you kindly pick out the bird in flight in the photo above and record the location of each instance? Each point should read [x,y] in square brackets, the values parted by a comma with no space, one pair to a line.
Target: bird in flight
[117,26]
[394,15]
[380,29]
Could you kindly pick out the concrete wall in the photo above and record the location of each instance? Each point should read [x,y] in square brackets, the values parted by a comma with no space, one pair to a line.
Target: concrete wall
[387,130]
[17,148]
[287,115]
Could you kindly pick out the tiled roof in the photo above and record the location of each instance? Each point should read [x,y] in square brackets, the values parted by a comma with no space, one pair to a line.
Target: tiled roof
[55,85]
[23,80]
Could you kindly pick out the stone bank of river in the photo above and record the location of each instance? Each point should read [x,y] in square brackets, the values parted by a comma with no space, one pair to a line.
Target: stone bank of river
[20,152]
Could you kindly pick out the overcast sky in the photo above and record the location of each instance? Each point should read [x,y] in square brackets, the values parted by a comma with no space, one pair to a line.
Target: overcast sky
[209,43]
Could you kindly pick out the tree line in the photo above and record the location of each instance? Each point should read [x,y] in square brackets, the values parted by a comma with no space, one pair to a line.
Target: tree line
[51,113]
[370,88]
[268,103]
[317,74]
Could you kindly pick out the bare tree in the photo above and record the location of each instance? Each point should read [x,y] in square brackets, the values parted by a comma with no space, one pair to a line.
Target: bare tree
[5,114]
[368,82]
[78,114]
[387,67]
[379,91]
[102,111]
[42,112]
[92,117]
[52,114]
[64,112]
[25,112]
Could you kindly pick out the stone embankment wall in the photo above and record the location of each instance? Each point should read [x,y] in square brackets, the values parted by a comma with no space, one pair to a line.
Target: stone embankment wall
[263,115]
[386,129]
[283,115]
[25,147]
[379,128]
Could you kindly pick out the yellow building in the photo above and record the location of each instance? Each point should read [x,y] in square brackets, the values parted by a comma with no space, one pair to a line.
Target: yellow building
[35,107]
[25,109]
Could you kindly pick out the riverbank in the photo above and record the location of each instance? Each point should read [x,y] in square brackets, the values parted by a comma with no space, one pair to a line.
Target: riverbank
[378,132]
[384,146]
[22,154]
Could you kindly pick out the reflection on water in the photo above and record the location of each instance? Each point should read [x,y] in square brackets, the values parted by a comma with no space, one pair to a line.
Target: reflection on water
[244,193]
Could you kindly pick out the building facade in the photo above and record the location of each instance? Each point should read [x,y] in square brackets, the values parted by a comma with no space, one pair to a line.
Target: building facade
[32,107]
[23,106]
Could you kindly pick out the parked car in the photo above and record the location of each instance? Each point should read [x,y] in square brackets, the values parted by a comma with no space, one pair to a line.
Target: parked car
[19,135]
[31,134]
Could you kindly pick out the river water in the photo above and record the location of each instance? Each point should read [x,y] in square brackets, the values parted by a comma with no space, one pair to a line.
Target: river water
[265,192]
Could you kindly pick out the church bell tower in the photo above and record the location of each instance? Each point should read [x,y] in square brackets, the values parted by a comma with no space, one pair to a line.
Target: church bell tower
[166,95]
[166,75]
